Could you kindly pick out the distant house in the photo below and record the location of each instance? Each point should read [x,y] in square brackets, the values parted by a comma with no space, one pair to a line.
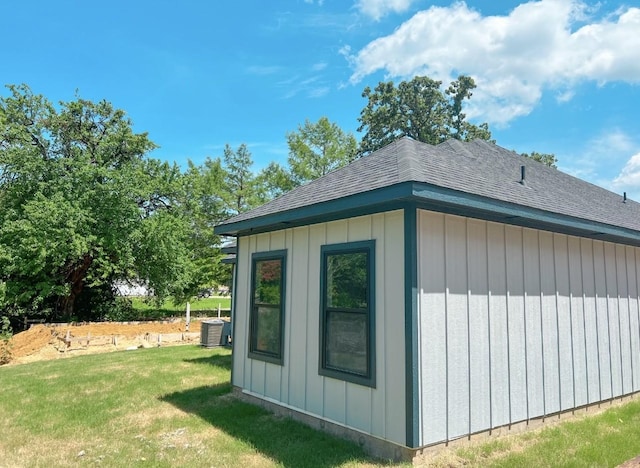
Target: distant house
[131,289]
[426,293]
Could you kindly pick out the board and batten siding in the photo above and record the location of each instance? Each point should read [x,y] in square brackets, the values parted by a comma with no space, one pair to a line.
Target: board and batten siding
[296,384]
[518,323]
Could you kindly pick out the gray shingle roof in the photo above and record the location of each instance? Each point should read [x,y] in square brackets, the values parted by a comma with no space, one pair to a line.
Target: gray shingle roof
[478,168]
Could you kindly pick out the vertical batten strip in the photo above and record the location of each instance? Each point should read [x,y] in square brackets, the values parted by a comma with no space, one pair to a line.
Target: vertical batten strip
[584,325]
[555,277]
[595,294]
[466,236]
[626,261]
[491,423]
[446,331]
[573,357]
[544,384]
[606,288]
[524,313]
[506,287]
[615,257]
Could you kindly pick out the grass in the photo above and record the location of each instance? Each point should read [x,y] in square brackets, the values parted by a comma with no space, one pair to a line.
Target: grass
[205,306]
[172,407]
[606,439]
[158,407]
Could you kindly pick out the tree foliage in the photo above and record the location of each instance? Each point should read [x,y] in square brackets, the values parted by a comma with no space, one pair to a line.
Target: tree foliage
[203,205]
[317,149]
[273,181]
[240,190]
[548,159]
[418,109]
[83,207]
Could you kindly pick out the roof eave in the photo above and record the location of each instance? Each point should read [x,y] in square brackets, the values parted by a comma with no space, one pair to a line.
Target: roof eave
[435,198]
[372,201]
[465,204]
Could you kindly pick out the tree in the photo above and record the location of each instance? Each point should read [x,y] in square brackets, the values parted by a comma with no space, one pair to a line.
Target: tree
[83,207]
[317,149]
[548,159]
[240,190]
[202,204]
[273,181]
[418,109]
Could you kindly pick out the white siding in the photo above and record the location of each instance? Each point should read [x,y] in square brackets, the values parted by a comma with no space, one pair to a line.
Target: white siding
[518,323]
[479,331]
[378,411]
[433,353]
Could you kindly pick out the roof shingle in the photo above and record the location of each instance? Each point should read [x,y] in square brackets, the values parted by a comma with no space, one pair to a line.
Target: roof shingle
[478,168]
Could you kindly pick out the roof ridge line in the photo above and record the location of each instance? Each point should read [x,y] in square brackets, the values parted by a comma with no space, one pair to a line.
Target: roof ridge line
[408,160]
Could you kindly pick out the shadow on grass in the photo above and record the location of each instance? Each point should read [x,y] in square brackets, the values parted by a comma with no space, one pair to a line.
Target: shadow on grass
[285,441]
[215,360]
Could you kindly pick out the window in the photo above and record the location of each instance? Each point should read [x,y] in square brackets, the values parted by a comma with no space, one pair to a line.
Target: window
[267,306]
[347,327]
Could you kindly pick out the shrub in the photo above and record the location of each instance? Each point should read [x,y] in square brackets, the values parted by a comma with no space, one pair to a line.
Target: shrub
[5,337]
[120,310]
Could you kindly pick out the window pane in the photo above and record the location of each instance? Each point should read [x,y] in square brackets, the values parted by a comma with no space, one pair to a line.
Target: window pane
[268,330]
[267,287]
[347,280]
[346,346]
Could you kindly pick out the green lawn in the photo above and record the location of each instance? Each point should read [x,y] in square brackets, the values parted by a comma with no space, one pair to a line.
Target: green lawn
[172,407]
[206,306]
[159,407]
[606,439]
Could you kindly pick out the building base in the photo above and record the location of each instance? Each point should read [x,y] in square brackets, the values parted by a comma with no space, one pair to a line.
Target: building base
[387,450]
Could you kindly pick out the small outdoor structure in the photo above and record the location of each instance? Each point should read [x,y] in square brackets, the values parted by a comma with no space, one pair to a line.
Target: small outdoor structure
[426,293]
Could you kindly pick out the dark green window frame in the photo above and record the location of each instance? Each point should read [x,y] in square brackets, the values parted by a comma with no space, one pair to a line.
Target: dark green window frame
[274,351]
[362,371]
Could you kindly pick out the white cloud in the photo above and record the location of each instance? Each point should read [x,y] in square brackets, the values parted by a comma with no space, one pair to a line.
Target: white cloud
[311,87]
[604,160]
[546,44]
[598,159]
[318,92]
[565,96]
[629,177]
[376,9]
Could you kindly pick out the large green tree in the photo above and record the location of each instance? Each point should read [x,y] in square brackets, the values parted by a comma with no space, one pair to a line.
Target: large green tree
[202,205]
[273,181]
[317,149]
[83,207]
[239,189]
[419,109]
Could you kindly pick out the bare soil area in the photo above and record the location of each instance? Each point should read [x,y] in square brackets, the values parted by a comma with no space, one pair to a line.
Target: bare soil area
[42,342]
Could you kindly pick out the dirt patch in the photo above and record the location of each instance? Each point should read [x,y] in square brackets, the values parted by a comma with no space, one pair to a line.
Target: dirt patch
[42,342]
[634,463]
[30,341]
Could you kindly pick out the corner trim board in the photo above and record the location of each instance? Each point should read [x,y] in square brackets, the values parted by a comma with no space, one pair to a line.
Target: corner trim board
[412,404]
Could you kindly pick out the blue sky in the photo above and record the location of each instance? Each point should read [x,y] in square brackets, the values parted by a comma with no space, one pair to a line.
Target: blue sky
[559,76]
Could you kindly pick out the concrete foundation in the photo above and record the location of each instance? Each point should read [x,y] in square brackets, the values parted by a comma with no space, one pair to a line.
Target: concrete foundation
[386,450]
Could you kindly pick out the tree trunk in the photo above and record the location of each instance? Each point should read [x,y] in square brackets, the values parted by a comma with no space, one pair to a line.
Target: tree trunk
[76,279]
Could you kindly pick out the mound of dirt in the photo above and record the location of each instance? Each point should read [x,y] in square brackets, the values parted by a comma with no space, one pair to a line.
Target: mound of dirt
[42,342]
[126,329]
[30,341]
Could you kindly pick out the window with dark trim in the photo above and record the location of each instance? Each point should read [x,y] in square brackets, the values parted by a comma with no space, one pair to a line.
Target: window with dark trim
[347,321]
[266,322]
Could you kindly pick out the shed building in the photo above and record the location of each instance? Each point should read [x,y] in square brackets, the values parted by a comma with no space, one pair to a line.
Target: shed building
[426,293]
